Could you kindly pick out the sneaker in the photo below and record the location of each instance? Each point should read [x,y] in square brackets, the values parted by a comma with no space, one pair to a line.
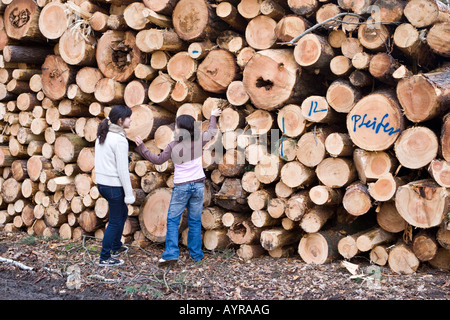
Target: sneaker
[110,262]
[162,262]
[123,249]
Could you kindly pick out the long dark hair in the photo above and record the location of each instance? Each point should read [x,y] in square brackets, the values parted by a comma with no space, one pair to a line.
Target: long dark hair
[116,113]
[188,123]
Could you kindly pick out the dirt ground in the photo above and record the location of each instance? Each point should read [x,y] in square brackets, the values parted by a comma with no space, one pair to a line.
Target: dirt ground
[67,270]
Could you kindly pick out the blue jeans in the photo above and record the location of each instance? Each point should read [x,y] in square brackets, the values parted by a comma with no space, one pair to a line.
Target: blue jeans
[188,195]
[118,214]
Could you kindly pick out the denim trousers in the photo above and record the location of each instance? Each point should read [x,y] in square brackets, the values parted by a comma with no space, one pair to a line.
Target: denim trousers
[118,214]
[188,195]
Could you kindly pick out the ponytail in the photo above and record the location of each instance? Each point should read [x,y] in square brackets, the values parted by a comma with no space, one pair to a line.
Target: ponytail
[102,130]
[116,113]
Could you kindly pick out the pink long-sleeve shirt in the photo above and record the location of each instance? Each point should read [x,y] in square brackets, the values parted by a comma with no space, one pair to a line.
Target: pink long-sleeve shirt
[186,155]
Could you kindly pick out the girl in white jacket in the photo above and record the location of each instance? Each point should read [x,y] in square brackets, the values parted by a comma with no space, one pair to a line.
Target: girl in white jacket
[113,179]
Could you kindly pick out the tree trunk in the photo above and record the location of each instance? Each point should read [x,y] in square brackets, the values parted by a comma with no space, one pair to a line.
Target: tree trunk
[294,174]
[212,218]
[314,219]
[425,246]
[260,32]
[385,187]
[68,146]
[297,205]
[75,49]
[313,51]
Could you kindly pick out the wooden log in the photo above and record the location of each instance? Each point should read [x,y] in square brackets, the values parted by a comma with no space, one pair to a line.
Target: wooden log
[294,174]
[181,67]
[23,21]
[357,199]
[117,54]
[216,239]
[342,96]
[290,26]
[297,205]
[373,36]
[382,67]
[212,218]
[244,233]
[268,168]
[269,86]
[217,70]
[135,93]
[56,77]
[199,22]
[423,13]
[151,40]
[441,259]
[146,119]
[11,190]
[303,7]
[199,50]
[153,214]
[232,164]
[87,78]
[336,172]
[375,122]
[319,247]
[379,255]
[373,237]
[35,165]
[76,49]
[424,245]
[229,13]
[431,89]
[53,20]
[250,251]
[384,188]
[315,219]
[276,207]
[445,137]
[311,146]
[68,146]
[324,195]
[339,145]
[402,259]
[260,32]
[260,121]
[89,221]
[389,219]
[443,236]
[436,38]
[161,6]
[313,51]
[439,171]
[421,203]
[249,9]
[272,239]
[159,92]
[371,165]
[416,147]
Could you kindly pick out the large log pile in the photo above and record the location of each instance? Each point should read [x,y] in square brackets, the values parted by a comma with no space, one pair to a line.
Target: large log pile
[334,138]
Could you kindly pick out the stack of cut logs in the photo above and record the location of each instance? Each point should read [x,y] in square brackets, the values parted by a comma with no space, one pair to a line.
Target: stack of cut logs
[334,137]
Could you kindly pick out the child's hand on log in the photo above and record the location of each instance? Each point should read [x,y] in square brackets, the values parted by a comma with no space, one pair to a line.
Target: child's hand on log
[138,141]
[216,112]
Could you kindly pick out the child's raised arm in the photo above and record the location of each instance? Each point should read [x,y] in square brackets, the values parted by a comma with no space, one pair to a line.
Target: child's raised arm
[147,154]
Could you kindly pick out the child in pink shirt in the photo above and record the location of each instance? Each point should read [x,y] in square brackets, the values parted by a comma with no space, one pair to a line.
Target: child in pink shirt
[188,191]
